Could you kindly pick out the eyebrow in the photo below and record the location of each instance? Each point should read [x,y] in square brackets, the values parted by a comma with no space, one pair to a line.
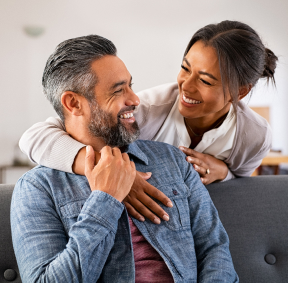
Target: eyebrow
[119,84]
[201,72]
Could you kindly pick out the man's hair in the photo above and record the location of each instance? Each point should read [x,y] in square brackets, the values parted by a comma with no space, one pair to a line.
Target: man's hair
[69,68]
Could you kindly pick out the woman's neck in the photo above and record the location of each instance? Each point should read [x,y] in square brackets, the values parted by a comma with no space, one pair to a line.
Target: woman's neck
[197,127]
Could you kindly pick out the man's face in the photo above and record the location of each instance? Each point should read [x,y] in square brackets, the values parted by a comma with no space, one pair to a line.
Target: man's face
[112,112]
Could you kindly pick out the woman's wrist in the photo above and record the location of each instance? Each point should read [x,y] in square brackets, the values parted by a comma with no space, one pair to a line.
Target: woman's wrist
[78,165]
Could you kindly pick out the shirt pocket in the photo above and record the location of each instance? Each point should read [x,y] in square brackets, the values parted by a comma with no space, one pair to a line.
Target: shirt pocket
[70,212]
[179,216]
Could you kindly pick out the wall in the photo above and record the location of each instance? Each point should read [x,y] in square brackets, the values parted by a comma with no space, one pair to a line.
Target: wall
[150,35]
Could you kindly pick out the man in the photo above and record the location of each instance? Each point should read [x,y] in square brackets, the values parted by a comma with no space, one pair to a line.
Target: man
[63,232]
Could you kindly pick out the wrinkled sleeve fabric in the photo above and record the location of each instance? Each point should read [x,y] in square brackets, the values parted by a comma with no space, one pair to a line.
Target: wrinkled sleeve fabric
[252,143]
[229,176]
[48,144]
[211,240]
[44,252]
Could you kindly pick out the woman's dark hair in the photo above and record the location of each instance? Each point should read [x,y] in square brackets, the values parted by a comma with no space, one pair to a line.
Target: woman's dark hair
[243,59]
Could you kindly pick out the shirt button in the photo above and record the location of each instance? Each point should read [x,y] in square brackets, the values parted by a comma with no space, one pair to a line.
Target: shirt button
[175,192]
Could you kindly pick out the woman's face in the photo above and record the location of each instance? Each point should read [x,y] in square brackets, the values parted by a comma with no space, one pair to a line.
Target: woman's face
[199,82]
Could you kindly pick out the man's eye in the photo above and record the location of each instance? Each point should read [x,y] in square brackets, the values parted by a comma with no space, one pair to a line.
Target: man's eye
[205,82]
[118,91]
[131,85]
[184,68]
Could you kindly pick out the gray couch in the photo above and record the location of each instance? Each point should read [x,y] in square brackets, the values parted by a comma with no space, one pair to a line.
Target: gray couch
[253,210]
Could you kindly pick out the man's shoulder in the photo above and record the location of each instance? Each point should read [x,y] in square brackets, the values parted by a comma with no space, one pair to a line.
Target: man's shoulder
[161,151]
[45,179]
[157,146]
[41,172]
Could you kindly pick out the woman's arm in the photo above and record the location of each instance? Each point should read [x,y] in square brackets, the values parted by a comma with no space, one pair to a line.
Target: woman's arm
[47,144]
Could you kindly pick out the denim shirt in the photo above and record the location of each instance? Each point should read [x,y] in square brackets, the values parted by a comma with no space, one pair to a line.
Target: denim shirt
[63,232]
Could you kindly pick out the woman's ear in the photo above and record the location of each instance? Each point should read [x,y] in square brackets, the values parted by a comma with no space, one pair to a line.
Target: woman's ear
[72,103]
[243,91]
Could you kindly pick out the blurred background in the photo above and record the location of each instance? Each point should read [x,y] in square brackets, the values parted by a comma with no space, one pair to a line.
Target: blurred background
[151,37]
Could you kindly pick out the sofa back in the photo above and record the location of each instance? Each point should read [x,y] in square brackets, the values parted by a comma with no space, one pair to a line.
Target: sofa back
[8,266]
[254,212]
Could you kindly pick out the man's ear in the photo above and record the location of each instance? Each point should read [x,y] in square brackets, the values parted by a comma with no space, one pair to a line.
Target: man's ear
[72,103]
[243,91]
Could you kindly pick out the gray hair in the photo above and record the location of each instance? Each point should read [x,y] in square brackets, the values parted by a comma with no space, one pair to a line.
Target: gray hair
[69,68]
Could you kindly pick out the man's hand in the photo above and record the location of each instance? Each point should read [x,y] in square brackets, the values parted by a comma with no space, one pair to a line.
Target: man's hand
[209,168]
[114,174]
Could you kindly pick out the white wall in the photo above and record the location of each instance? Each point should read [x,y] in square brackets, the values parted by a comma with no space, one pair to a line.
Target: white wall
[150,35]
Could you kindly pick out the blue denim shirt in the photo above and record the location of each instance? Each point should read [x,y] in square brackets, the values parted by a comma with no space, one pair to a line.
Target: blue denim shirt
[64,233]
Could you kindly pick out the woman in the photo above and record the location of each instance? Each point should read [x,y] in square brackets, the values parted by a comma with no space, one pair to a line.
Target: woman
[203,114]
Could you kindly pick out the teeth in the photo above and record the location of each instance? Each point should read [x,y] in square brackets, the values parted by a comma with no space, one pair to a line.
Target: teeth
[126,116]
[190,101]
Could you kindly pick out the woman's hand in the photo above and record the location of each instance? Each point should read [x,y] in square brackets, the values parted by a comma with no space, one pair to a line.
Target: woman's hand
[209,168]
[139,203]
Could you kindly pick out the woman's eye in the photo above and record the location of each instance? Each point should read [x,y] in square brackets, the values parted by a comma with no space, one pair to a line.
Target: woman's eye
[184,68]
[205,82]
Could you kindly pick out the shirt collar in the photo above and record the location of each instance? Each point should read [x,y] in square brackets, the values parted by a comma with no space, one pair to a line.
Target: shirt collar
[133,149]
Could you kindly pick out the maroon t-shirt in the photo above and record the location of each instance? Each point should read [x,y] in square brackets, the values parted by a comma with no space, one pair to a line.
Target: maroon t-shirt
[149,265]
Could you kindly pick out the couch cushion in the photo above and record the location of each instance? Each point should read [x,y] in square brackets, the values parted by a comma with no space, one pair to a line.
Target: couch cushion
[8,266]
[254,212]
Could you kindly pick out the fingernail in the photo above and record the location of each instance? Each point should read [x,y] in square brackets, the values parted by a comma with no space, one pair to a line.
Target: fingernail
[181,147]
[169,204]
[156,220]
[165,217]
[189,158]
[149,173]
[196,167]
[141,218]
[87,148]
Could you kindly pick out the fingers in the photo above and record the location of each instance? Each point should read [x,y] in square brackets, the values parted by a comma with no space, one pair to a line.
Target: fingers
[125,157]
[199,165]
[133,212]
[89,159]
[194,160]
[155,193]
[144,175]
[105,152]
[143,210]
[133,165]
[201,170]
[116,151]
[205,181]
[189,151]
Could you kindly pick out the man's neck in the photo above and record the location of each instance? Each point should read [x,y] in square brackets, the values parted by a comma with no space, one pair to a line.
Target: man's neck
[81,134]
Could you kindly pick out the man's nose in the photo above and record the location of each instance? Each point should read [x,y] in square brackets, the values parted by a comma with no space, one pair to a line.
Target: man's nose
[132,99]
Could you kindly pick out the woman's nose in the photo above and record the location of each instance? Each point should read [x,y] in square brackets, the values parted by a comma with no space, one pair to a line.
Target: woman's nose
[189,84]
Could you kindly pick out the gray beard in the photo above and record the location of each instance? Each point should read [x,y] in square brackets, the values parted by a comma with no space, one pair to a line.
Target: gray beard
[102,125]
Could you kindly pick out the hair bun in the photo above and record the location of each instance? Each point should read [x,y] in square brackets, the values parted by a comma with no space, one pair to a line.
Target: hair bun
[270,65]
